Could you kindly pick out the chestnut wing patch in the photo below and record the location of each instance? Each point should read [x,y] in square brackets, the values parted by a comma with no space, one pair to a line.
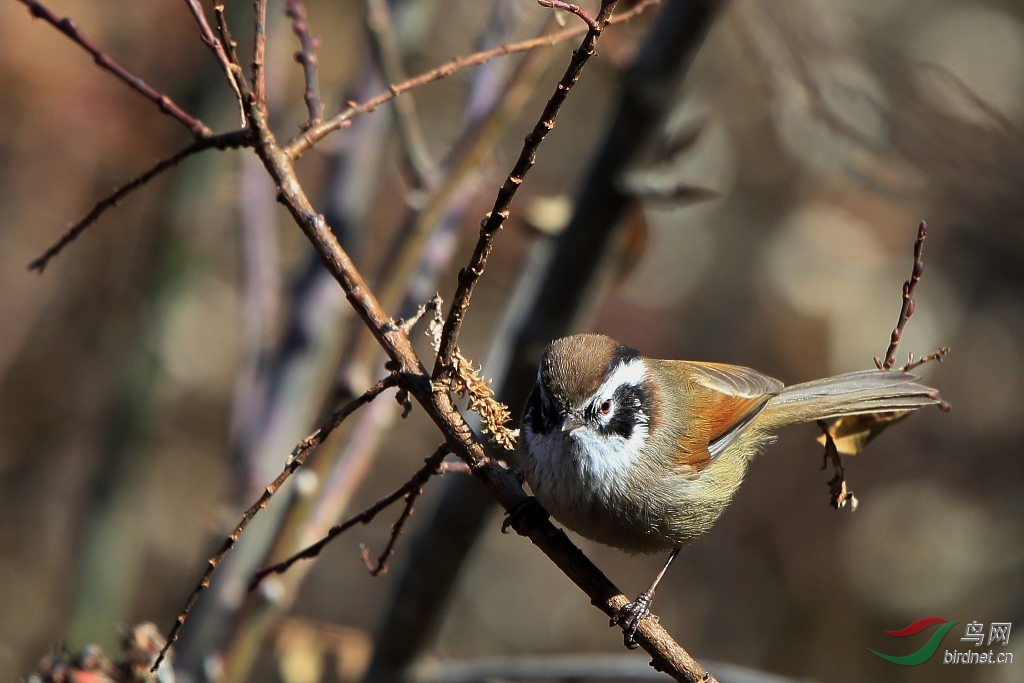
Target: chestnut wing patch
[724,401]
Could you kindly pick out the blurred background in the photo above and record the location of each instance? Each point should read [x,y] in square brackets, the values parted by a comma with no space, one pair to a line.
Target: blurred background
[763,166]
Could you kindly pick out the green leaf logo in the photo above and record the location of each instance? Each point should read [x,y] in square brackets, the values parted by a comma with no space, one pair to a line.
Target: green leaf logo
[929,648]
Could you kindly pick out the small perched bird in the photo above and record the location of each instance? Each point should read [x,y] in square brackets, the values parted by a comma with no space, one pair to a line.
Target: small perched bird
[644,454]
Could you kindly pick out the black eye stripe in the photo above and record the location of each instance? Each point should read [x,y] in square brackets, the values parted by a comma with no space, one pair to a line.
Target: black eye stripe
[632,407]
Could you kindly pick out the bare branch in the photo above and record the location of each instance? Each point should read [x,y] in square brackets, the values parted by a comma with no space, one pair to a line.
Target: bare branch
[434,306]
[259,52]
[306,140]
[907,309]
[381,566]
[295,461]
[306,56]
[494,220]
[229,45]
[575,9]
[936,355]
[206,33]
[234,139]
[410,490]
[167,106]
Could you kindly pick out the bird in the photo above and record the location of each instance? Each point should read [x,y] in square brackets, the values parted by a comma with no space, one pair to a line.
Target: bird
[644,454]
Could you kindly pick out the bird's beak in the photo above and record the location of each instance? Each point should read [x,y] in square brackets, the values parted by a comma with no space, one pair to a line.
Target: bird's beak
[571,422]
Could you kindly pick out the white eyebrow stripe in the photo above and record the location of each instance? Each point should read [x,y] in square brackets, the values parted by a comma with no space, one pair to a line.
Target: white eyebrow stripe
[631,373]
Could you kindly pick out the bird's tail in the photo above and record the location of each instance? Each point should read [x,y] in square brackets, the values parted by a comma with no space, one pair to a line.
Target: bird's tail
[856,393]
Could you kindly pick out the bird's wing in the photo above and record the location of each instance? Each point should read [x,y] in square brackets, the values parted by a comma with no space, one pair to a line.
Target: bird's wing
[722,401]
[735,380]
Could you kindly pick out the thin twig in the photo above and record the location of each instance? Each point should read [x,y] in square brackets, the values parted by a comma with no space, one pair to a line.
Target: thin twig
[306,56]
[434,306]
[234,139]
[259,52]
[206,33]
[229,45]
[907,309]
[575,9]
[934,355]
[167,106]
[305,141]
[410,490]
[381,566]
[493,221]
[295,461]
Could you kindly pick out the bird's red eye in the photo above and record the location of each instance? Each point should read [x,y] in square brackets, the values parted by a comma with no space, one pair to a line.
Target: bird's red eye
[606,407]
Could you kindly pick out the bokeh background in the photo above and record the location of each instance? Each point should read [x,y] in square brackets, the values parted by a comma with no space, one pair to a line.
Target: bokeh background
[153,379]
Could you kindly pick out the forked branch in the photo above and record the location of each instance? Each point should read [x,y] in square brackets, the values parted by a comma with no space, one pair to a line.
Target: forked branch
[211,41]
[306,140]
[410,490]
[104,61]
[295,461]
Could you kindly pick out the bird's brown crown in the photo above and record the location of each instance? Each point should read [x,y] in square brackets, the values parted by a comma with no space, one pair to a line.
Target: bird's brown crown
[573,368]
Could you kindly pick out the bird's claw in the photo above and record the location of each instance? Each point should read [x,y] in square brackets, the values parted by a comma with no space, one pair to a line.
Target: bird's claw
[630,616]
[527,507]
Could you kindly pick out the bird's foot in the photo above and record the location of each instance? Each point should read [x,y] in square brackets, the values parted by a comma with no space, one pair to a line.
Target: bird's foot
[528,507]
[630,616]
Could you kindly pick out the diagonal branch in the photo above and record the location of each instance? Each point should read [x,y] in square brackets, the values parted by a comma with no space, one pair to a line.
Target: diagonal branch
[232,140]
[167,106]
[306,56]
[295,461]
[494,220]
[410,490]
[306,140]
[206,33]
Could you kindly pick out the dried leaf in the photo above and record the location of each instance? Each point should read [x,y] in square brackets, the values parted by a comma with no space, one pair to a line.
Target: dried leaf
[854,432]
[467,381]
